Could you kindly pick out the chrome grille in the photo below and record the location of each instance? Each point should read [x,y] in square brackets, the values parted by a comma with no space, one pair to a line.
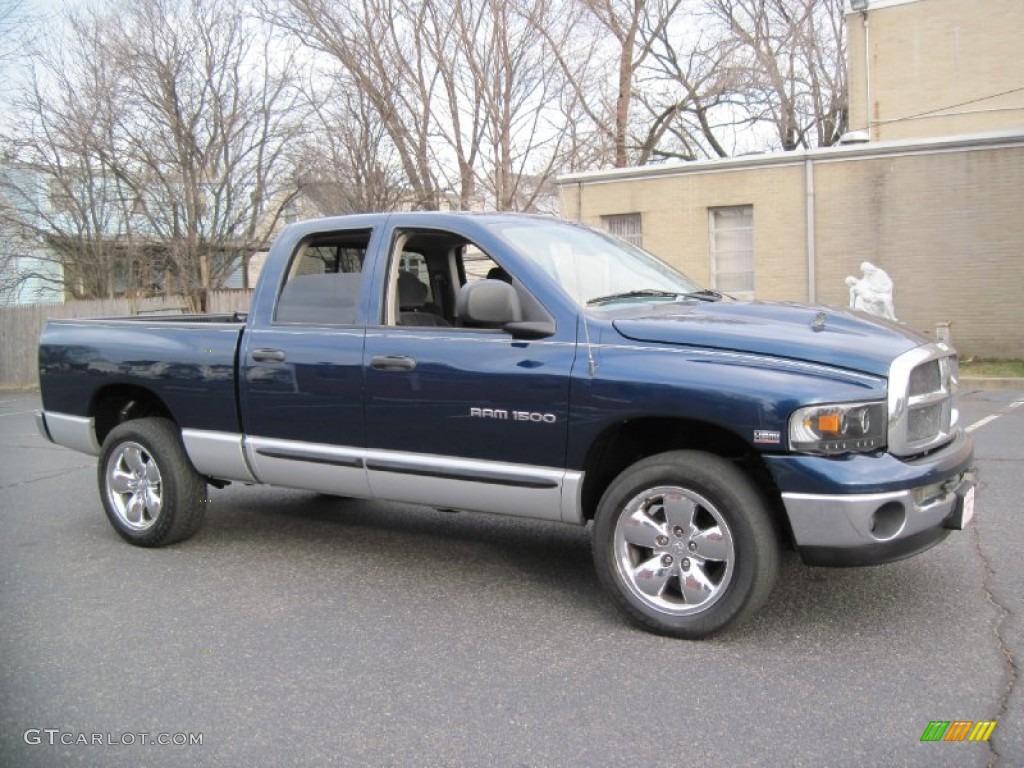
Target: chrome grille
[924,423]
[926,378]
[922,399]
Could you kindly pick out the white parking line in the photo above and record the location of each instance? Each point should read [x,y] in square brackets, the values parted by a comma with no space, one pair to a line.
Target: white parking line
[16,413]
[982,422]
[989,419]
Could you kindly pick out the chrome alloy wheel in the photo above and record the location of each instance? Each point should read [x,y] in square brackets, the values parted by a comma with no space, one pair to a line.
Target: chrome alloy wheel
[674,550]
[134,486]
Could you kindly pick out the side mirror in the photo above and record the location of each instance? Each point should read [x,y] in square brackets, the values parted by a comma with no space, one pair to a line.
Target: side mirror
[496,304]
[489,303]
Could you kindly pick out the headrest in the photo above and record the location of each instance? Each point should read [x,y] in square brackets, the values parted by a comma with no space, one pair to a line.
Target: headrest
[411,292]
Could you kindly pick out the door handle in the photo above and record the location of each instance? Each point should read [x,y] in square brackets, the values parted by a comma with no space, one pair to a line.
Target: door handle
[268,355]
[392,363]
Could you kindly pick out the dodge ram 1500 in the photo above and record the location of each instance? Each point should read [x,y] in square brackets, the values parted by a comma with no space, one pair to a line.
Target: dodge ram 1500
[533,367]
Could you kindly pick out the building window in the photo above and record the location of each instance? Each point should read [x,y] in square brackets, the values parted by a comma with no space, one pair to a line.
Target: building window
[732,248]
[61,200]
[625,226]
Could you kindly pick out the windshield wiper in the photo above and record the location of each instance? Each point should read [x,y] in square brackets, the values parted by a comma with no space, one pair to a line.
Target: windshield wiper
[704,295]
[643,292]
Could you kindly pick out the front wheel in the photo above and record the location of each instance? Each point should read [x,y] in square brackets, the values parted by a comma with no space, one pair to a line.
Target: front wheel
[151,492]
[684,544]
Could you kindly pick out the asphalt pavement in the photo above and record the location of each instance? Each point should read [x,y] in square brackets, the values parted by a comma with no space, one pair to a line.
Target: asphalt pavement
[301,630]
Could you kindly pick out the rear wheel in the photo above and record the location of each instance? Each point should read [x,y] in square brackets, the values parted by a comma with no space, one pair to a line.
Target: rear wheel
[684,544]
[150,491]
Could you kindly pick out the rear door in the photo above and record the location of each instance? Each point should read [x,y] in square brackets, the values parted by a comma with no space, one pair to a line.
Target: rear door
[302,369]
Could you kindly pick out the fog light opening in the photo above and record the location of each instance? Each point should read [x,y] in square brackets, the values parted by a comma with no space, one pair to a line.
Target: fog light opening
[888,520]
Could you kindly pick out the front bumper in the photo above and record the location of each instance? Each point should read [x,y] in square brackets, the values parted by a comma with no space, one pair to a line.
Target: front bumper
[879,508]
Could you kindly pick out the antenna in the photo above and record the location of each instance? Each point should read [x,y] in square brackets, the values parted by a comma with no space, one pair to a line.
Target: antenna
[591,363]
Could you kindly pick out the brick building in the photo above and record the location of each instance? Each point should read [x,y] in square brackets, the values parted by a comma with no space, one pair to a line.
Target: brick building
[936,197]
[924,68]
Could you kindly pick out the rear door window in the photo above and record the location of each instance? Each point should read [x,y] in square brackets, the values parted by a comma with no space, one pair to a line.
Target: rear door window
[324,281]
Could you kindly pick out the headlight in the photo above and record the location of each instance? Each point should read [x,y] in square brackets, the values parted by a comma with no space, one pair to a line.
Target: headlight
[839,428]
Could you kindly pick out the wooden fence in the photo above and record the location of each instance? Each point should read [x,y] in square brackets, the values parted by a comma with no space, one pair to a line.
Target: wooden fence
[20,326]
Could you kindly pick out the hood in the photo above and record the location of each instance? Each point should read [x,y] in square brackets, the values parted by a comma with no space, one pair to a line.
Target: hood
[827,335]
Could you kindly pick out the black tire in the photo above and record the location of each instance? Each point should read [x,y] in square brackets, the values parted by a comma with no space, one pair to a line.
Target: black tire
[151,493]
[694,579]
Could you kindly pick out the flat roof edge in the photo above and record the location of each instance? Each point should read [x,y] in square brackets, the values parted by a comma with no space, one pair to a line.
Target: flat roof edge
[991,139]
[875,5]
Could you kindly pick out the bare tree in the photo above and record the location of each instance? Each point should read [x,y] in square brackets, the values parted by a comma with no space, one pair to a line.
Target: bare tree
[63,210]
[177,114]
[702,91]
[634,25]
[468,95]
[160,140]
[15,30]
[710,77]
[794,54]
[344,162]
[203,146]
[371,43]
[604,88]
[485,99]
[504,119]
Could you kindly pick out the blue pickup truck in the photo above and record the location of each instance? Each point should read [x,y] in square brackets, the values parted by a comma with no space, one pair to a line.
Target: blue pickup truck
[532,367]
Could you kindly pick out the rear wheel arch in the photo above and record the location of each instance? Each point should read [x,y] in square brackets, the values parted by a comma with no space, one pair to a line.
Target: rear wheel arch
[118,403]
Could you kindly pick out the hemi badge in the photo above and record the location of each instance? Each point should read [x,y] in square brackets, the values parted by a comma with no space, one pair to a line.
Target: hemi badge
[767,436]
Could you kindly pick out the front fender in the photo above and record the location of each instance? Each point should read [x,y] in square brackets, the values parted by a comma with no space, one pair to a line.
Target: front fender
[747,395]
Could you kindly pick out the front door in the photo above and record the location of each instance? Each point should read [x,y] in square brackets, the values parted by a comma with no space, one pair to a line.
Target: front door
[459,416]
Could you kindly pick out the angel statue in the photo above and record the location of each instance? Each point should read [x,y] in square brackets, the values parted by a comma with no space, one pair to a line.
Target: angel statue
[872,293]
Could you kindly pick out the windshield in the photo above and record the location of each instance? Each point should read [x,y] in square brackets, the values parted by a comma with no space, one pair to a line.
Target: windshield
[593,267]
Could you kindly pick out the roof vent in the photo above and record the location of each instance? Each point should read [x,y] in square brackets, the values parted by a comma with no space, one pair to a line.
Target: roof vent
[855,137]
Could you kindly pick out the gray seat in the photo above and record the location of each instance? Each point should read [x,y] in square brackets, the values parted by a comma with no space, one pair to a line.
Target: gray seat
[412,303]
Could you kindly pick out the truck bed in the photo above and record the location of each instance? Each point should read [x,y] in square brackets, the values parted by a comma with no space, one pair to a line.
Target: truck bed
[188,361]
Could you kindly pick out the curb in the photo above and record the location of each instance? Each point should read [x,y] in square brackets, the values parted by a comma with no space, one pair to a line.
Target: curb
[990,383]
